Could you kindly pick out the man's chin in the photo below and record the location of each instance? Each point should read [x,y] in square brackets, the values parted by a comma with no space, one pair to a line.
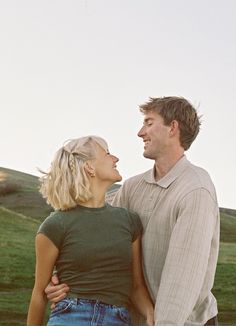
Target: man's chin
[148,155]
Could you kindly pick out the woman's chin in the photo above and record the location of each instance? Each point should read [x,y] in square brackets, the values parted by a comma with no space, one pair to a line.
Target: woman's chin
[119,178]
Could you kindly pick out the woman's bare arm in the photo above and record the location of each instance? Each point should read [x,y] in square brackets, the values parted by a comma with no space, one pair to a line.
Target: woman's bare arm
[46,255]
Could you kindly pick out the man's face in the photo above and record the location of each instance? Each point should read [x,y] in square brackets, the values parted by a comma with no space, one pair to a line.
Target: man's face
[155,135]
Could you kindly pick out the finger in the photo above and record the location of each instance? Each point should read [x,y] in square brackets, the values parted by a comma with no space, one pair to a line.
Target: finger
[54,279]
[53,305]
[57,299]
[56,288]
[57,292]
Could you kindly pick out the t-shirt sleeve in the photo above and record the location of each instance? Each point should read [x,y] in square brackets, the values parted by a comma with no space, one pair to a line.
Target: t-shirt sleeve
[53,229]
[136,225]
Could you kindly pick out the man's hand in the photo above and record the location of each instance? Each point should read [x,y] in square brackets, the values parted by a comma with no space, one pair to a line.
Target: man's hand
[55,291]
[150,319]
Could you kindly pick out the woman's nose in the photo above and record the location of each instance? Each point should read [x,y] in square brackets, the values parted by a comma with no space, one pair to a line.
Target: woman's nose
[115,158]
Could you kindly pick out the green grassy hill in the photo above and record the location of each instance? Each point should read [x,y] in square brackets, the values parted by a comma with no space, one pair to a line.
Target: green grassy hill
[225,280]
[20,192]
[17,234]
[21,211]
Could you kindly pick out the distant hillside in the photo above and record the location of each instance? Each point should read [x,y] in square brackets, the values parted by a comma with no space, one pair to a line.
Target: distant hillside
[228,211]
[19,192]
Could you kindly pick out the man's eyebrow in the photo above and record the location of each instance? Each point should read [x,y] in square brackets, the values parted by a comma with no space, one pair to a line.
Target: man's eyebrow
[146,120]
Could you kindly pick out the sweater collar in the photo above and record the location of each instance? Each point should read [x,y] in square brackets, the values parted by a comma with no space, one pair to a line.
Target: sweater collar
[170,177]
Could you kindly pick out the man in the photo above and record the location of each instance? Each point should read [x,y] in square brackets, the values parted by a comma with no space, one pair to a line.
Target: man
[177,204]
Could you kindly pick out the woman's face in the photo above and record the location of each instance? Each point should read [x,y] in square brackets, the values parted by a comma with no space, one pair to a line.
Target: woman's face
[105,166]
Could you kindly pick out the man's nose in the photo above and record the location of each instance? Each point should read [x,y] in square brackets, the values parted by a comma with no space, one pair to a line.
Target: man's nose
[141,132]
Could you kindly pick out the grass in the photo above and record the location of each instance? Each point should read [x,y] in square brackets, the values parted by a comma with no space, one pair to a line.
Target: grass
[225,280]
[17,264]
[26,198]
[17,269]
[17,233]
[228,228]
[225,284]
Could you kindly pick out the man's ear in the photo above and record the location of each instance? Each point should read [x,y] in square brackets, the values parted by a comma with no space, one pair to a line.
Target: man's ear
[89,168]
[174,127]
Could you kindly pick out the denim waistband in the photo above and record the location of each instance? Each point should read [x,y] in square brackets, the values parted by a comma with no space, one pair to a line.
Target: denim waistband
[77,300]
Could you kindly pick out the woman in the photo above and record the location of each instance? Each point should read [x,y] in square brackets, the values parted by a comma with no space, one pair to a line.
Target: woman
[94,246]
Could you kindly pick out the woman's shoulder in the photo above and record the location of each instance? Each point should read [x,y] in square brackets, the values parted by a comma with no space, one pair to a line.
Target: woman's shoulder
[122,211]
[117,209]
[58,217]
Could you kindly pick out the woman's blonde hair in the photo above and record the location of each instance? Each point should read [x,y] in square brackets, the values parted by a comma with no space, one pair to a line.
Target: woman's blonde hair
[67,183]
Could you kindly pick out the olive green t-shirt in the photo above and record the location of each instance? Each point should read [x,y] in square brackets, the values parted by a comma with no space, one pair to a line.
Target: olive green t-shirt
[95,251]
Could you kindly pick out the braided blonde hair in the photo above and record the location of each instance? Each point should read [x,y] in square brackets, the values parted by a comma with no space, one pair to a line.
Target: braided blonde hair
[67,184]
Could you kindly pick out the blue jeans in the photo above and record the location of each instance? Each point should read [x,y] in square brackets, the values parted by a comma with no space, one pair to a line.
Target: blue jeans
[84,312]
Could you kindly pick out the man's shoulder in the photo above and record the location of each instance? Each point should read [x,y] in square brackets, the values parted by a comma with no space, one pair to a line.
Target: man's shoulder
[199,172]
[199,177]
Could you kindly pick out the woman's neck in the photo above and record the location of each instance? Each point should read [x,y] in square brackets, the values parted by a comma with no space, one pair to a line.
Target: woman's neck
[98,198]
[94,202]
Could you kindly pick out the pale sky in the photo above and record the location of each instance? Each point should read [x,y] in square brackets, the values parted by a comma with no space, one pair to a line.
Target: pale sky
[77,67]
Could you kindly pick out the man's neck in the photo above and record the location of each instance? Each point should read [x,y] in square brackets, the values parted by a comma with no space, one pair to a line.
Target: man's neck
[164,164]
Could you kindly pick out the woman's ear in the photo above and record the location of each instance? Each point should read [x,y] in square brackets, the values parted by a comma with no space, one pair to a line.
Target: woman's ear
[89,169]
